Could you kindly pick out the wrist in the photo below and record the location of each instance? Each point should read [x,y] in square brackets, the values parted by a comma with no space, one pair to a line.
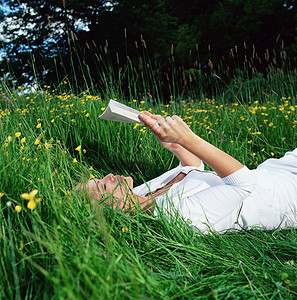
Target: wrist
[175,148]
[188,139]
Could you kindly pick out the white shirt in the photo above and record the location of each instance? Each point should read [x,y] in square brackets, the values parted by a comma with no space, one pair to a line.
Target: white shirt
[265,198]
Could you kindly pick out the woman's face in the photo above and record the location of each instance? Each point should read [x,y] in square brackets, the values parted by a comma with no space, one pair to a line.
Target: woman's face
[117,185]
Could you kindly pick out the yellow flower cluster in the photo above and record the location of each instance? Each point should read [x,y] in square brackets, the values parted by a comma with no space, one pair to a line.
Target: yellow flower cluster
[49,113]
[31,198]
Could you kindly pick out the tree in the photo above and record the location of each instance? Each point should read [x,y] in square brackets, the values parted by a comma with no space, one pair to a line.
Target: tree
[193,33]
[36,31]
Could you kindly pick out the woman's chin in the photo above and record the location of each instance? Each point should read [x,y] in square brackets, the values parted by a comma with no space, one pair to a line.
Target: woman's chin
[129,181]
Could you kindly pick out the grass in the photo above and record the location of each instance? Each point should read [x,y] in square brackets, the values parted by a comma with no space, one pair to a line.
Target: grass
[65,248]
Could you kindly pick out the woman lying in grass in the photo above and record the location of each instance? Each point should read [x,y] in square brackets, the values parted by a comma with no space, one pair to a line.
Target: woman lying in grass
[230,197]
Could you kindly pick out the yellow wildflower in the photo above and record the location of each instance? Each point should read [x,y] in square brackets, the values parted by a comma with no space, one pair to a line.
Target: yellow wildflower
[17,134]
[1,194]
[124,229]
[23,140]
[74,161]
[18,208]
[21,245]
[78,148]
[87,115]
[38,125]
[9,139]
[92,176]
[31,198]
[84,151]
[37,142]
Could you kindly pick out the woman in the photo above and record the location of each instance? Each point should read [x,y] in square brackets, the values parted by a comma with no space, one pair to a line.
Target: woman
[230,197]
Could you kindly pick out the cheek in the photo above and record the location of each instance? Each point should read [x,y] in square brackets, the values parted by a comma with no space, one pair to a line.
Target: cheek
[110,187]
[118,190]
[90,186]
[93,190]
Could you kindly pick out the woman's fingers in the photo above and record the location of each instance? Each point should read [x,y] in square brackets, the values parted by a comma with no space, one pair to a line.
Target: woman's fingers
[169,120]
[147,113]
[158,126]
[177,118]
[148,121]
[172,129]
[155,117]
[155,125]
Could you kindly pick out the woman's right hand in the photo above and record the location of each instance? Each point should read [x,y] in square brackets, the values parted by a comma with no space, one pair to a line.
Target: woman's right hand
[175,130]
[172,147]
[172,130]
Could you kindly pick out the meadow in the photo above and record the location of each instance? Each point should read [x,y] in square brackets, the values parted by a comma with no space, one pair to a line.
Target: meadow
[56,245]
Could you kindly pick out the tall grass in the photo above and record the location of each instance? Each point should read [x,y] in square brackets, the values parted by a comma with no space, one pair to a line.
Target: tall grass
[68,248]
[243,73]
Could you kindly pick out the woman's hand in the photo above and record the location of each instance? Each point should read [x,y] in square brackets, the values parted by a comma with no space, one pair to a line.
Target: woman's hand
[175,130]
[185,157]
[170,132]
[172,147]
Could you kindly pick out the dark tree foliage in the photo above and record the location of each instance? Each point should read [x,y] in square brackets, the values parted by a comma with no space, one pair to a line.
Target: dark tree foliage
[193,33]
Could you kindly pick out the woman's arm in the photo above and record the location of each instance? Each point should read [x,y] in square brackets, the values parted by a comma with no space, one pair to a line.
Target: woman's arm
[185,157]
[175,130]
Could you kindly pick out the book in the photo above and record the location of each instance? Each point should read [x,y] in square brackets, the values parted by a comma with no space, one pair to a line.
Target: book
[116,111]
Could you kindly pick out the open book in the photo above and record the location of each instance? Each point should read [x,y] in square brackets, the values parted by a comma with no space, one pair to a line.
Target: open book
[119,112]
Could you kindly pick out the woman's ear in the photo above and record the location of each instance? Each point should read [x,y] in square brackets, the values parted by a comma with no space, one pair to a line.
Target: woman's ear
[79,188]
